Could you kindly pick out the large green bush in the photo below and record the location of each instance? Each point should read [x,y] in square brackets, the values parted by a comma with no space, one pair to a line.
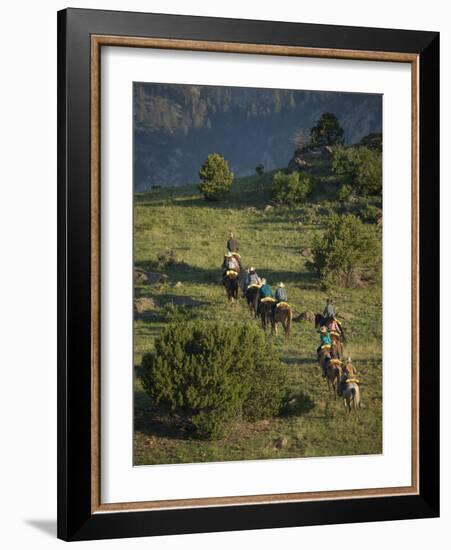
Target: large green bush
[361,168]
[216,177]
[209,374]
[348,253]
[291,188]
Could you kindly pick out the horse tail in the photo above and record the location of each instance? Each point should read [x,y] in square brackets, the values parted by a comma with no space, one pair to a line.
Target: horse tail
[343,335]
[356,398]
[289,320]
[353,398]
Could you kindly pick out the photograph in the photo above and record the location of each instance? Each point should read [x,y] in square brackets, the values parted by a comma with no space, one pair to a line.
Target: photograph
[257,262]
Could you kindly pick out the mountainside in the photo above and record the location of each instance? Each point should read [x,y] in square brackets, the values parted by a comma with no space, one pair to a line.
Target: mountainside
[177,126]
[179,242]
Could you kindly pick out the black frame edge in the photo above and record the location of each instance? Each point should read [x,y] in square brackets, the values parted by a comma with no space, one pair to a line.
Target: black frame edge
[75,521]
[429,179]
[61,278]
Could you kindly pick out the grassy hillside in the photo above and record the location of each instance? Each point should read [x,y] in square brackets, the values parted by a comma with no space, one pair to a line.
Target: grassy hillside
[271,239]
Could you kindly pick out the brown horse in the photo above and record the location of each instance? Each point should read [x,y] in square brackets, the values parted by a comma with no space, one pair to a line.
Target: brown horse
[231,285]
[336,347]
[265,309]
[320,320]
[331,370]
[282,314]
[337,338]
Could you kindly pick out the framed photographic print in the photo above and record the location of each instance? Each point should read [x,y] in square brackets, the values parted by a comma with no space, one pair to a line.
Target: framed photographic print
[248,274]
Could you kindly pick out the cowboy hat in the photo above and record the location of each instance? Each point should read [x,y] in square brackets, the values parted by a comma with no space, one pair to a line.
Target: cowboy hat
[281,285]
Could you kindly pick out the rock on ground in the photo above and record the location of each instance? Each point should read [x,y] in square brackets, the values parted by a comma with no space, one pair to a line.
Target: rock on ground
[345,316]
[308,316]
[142,277]
[281,442]
[145,304]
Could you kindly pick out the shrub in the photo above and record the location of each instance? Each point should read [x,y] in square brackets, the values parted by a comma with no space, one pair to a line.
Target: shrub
[370,213]
[327,131]
[209,374]
[362,168]
[344,192]
[290,188]
[216,177]
[348,252]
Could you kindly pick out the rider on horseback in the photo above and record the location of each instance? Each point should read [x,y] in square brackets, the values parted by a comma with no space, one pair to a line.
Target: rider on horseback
[329,310]
[281,294]
[232,244]
[265,290]
[325,339]
[252,278]
[333,326]
[230,263]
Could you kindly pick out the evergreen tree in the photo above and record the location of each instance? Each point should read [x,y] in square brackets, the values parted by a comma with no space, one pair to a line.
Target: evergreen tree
[216,177]
[327,131]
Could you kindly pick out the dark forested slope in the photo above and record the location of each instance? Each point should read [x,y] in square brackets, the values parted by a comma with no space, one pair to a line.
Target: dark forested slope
[176,126]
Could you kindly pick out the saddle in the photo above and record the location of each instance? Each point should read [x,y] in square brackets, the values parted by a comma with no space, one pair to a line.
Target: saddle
[283,304]
[334,333]
[255,285]
[352,380]
[267,299]
[231,273]
[335,362]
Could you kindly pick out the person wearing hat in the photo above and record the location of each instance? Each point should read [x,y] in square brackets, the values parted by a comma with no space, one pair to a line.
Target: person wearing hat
[329,310]
[265,290]
[324,337]
[252,277]
[281,294]
[232,244]
[230,263]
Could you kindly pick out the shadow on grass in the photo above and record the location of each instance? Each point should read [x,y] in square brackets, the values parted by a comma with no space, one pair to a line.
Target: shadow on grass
[183,272]
[300,279]
[297,360]
[151,420]
[297,403]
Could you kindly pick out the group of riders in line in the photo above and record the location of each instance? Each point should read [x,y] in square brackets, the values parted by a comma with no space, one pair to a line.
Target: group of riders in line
[232,268]
[273,307]
[340,376]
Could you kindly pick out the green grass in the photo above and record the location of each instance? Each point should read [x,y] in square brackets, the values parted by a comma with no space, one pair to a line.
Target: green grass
[179,219]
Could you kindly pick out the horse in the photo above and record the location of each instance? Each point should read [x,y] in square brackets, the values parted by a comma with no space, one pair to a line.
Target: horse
[320,320]
[265,309]
[337,338]
[251,295]
[283,314]
[331,368]
[231,285]
[336,347]
[349,389]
